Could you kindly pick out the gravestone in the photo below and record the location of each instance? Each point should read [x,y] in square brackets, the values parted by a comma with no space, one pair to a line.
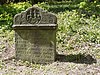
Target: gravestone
[35,35]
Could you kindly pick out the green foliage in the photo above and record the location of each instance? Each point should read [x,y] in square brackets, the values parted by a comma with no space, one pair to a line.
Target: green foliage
[75,25]
[74,29]
[89,8]
[77,21]
[57,7]
[82,6]
[7,12]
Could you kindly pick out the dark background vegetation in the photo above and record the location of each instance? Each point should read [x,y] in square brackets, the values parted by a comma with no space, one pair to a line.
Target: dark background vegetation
[36,1]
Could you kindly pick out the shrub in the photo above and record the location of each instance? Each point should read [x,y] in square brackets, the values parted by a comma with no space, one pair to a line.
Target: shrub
[74,26]
[75,29]
[7,12]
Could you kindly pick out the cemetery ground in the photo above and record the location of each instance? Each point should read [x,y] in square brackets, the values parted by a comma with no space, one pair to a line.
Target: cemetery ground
[82,60]
[78,41]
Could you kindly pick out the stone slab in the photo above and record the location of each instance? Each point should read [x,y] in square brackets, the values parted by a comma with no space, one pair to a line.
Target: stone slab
[35,35]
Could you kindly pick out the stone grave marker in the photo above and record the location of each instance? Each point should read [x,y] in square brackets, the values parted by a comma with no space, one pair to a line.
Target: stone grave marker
[35,35]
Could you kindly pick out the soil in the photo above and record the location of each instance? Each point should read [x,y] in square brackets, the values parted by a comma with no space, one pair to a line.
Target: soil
[66,63]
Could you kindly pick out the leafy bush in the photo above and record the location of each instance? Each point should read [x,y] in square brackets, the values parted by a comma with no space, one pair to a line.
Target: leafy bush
[7,12]
[74,26]
[89,8]
[79,29]
[82,6]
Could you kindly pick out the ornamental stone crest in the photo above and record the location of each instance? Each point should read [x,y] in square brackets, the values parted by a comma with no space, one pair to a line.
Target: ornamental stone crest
[35,15]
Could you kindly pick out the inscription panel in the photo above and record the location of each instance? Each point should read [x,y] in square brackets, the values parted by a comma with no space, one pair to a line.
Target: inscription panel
[35,47]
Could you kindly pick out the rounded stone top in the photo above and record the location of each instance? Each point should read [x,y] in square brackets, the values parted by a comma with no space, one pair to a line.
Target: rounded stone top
[35,15]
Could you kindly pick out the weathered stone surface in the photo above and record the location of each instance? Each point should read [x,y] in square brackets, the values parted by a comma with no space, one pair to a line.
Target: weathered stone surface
[35,15]
[35,35]
[35,45]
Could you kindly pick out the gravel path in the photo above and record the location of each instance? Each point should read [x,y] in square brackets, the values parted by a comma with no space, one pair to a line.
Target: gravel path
[57,68]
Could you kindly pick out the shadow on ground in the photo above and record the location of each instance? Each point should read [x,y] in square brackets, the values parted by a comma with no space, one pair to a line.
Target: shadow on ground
[79,58]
